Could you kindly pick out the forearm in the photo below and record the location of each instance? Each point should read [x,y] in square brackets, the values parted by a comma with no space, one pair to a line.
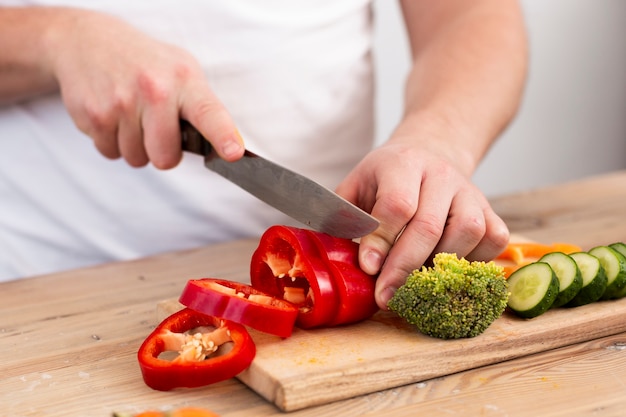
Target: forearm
[25,69]
[468,74]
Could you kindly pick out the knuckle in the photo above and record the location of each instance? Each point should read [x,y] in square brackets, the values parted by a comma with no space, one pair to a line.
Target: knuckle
[399,207]
[97,118]
[152,88]
[474,228]
[499,237]
[429,226]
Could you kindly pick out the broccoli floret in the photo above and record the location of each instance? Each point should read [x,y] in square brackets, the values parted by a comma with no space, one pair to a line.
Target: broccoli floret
[452,299]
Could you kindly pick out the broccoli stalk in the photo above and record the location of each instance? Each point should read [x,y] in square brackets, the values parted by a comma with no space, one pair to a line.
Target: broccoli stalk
[452,299]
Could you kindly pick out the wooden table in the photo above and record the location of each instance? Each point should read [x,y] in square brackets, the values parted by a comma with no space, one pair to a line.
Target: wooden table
[68,340]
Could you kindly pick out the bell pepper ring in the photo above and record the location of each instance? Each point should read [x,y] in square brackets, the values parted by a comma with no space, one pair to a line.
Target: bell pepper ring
[355,288]
[240,303]
[200,361]
[288,265]
[315,271]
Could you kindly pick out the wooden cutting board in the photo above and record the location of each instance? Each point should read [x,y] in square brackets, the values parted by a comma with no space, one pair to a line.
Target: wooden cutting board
[320,366]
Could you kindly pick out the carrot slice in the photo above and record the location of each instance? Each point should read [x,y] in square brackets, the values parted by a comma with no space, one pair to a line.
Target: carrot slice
[518,252]
[523,253]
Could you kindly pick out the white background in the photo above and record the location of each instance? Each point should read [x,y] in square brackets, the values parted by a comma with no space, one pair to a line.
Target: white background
[572,122]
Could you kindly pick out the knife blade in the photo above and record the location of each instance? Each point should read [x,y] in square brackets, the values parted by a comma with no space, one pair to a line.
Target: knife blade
[297,196]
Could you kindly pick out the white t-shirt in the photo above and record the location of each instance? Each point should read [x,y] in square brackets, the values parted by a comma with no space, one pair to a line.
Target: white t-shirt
[296,77]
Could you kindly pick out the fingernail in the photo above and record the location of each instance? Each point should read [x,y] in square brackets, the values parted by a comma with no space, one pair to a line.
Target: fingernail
[231,149]
[385,295]
[372,262]
[234,147]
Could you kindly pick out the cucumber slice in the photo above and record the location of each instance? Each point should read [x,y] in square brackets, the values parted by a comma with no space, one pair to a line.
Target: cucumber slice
[621,248]
[533,288]
[614,264]
[594,279]
[568,274]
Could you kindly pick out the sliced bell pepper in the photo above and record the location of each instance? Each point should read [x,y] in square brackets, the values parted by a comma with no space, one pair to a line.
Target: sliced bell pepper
[197,338]
[282,265]
[315,271]
[355,288]
[240,303]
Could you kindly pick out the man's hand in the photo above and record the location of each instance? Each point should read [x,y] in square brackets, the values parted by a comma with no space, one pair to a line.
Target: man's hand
[124,89]
[425,206]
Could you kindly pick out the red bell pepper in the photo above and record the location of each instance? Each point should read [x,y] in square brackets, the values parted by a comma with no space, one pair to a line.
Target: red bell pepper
[355,287]
[199,361]
[240,303]
[315,271]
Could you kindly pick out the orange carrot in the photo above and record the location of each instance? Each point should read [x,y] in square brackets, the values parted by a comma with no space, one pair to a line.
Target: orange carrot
[518,252]
[523,253]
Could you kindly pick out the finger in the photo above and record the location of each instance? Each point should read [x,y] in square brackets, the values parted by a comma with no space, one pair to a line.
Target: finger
[161,134]
[393,208]
[417,241]
[495,239]
[130,142]
[203,109]
[101,127]
[465,226]
[106,144]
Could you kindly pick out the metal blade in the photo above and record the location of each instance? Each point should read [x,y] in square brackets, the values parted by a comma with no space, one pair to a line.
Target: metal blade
[295,195]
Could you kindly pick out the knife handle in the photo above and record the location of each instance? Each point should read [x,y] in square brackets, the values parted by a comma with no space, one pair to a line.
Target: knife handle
[192,140]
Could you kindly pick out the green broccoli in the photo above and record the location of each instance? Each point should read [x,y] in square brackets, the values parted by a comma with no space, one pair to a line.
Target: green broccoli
[452,299]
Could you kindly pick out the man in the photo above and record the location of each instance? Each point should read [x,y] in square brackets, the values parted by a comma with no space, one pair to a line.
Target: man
[295,78]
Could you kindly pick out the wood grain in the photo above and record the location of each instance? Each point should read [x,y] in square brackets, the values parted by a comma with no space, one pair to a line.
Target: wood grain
[320,366]
[588,212]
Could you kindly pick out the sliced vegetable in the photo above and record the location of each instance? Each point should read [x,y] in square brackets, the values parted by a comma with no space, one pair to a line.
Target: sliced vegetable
[533,288]
[521,252]
[240,303]
[614,264]
[568,274]
[621,248]
[594,279]
[317,272]
[524,253]
[355,288]
[199,361]
[287,265]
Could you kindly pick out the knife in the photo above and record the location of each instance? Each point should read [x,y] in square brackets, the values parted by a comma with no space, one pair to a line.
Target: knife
[293,194]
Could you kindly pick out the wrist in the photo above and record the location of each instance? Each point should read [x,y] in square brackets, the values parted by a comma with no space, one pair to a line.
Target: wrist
[443,135]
